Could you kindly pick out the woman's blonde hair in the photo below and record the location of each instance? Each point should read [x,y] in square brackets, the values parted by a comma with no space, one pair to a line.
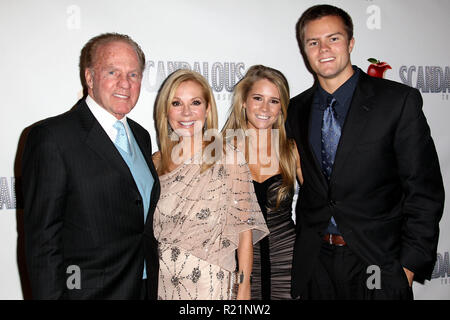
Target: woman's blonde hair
[238,120]
[164,102]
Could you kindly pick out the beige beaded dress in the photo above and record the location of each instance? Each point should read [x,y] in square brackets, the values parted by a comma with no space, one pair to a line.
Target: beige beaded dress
[197,223]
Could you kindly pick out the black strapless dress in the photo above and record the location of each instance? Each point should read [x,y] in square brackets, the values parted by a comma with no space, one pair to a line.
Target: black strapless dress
[272,256]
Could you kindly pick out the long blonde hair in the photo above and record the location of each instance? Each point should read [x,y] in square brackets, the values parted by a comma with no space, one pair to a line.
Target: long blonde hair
[162,105]
[238,120]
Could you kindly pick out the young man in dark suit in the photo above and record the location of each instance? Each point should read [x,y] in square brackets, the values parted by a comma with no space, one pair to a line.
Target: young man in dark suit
[369,210]
[90,187]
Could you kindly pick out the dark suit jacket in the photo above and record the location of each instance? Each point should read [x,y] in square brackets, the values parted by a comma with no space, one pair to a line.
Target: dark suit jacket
[385,192]
[83,208]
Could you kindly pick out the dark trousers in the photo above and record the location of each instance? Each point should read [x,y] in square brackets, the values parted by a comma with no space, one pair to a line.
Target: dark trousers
[341,275]
[144,290]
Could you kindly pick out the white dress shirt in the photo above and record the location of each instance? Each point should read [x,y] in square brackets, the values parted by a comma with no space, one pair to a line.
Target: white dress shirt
[106,119]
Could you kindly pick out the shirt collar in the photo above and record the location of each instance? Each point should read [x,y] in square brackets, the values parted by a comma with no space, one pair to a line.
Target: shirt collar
[343,94]
[106,119]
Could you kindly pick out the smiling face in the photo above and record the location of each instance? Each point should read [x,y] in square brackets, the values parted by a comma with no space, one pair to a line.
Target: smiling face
[114,81]
[188,109]
[262,105]
[328,49]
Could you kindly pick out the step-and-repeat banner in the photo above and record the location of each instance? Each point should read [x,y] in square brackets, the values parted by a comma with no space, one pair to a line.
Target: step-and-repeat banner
[41,43]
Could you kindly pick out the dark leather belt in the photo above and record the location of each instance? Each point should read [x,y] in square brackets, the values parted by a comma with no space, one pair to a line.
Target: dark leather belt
[334,239]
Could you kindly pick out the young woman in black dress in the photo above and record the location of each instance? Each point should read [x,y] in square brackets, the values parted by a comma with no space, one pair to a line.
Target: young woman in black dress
[259,108]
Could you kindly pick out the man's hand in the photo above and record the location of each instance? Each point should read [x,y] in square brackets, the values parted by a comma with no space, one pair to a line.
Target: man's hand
[409,275]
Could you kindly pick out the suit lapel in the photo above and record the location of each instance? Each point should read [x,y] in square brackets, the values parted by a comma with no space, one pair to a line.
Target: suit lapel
[354,124]
[305,123]
[99,142]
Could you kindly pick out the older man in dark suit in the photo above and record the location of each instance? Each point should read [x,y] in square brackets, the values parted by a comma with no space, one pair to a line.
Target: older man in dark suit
[369,210]
[90,187]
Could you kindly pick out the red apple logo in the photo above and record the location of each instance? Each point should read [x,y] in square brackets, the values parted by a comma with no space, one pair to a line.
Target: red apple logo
[377,68]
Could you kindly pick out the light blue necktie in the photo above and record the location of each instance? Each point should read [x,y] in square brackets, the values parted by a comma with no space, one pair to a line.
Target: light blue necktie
[331,133]
[122,138]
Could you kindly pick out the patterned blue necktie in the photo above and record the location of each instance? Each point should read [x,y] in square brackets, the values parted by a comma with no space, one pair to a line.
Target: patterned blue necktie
[121,138]
[331,133]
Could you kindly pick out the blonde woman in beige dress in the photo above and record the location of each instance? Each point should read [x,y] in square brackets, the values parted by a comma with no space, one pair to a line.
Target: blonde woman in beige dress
[208,210]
